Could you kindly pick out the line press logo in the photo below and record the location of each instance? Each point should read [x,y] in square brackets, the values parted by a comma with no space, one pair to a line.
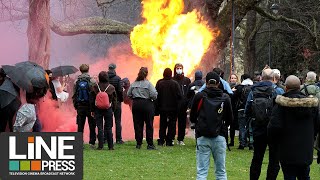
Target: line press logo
[35,155]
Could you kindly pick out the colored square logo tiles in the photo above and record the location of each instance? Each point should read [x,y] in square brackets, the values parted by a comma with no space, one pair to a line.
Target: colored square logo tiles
[30,139]
[14,166]
[24,165]
[35,165]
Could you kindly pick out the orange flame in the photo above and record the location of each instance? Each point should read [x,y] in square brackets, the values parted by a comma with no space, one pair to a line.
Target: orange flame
[168,37]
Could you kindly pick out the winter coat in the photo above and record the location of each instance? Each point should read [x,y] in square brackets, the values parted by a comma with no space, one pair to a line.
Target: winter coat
[240,104]
[184,84]
[294,122]
[110,91]
[169,95]
[260,130]
[312,89]
[197,84]
[212,93]
[115,80]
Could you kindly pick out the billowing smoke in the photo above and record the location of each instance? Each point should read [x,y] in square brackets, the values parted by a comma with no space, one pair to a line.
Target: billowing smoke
[63,119]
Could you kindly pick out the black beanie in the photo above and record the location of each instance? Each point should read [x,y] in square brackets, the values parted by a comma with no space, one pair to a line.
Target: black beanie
[167,73]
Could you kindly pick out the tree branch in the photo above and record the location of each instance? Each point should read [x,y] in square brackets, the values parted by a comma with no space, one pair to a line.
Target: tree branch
[256,29]
[91,25]
[14,17]
[289,20]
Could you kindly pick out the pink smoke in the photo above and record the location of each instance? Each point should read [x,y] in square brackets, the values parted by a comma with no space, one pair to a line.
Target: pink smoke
[128,64]
[63,119]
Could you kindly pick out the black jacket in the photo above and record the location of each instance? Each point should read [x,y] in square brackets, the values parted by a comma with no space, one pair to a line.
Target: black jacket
[169,94]
[198,83]
[293,125]
[115,80]
[212,92]
[184,84]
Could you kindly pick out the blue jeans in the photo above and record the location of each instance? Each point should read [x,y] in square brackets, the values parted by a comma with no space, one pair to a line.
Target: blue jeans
[217,146]
[242,128]
[291,172]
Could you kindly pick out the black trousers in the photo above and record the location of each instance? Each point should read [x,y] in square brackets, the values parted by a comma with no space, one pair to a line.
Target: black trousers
[117,119]
[83,112]
[291,172]
[143,112]
[182,122]
[167,121]
[260,145]
[104,131]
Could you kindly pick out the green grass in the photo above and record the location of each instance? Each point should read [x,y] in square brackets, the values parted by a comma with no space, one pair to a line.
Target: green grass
[177,162]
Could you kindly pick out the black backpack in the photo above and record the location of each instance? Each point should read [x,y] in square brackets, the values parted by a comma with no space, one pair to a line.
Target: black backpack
[262,104]
[244,96]
[210,120]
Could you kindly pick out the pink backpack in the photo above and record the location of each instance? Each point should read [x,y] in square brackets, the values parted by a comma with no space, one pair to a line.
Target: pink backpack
[102,99]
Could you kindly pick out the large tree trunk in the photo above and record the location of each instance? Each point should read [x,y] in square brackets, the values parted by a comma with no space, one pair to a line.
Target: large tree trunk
[39,32]
[250,44]
[223,21]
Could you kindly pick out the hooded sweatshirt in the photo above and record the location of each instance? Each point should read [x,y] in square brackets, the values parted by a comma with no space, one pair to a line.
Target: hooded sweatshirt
[184,84]
[212,92]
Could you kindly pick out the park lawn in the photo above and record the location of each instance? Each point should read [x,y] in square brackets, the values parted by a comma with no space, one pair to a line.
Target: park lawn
[177,162]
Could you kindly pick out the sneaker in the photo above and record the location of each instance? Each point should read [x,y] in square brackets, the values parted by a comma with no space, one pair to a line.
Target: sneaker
[138,146]
[250,147]
[181,143]
[120,142]
[111,148]
[100,148]
[169,143]
[231,144]
[92,146]
[151,147]
[241,147]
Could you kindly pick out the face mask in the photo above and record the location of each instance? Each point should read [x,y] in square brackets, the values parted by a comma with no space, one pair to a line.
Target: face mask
[179,71]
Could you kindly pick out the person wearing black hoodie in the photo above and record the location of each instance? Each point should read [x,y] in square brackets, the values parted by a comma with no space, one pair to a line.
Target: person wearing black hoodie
[210,134]
[195,85]
[169,94]
[183,103]
[104,133]
[293,126]
[115,80]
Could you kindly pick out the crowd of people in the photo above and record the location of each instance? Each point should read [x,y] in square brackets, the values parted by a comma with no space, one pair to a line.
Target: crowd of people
[266,111]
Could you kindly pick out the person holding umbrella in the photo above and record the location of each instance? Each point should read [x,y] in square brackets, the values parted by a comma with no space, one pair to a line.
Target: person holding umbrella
[58,87]
[9,102]
[33,82]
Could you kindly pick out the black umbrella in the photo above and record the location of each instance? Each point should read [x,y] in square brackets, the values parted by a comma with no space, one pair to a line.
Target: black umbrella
[27,75]
[63,71]
[7,93]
